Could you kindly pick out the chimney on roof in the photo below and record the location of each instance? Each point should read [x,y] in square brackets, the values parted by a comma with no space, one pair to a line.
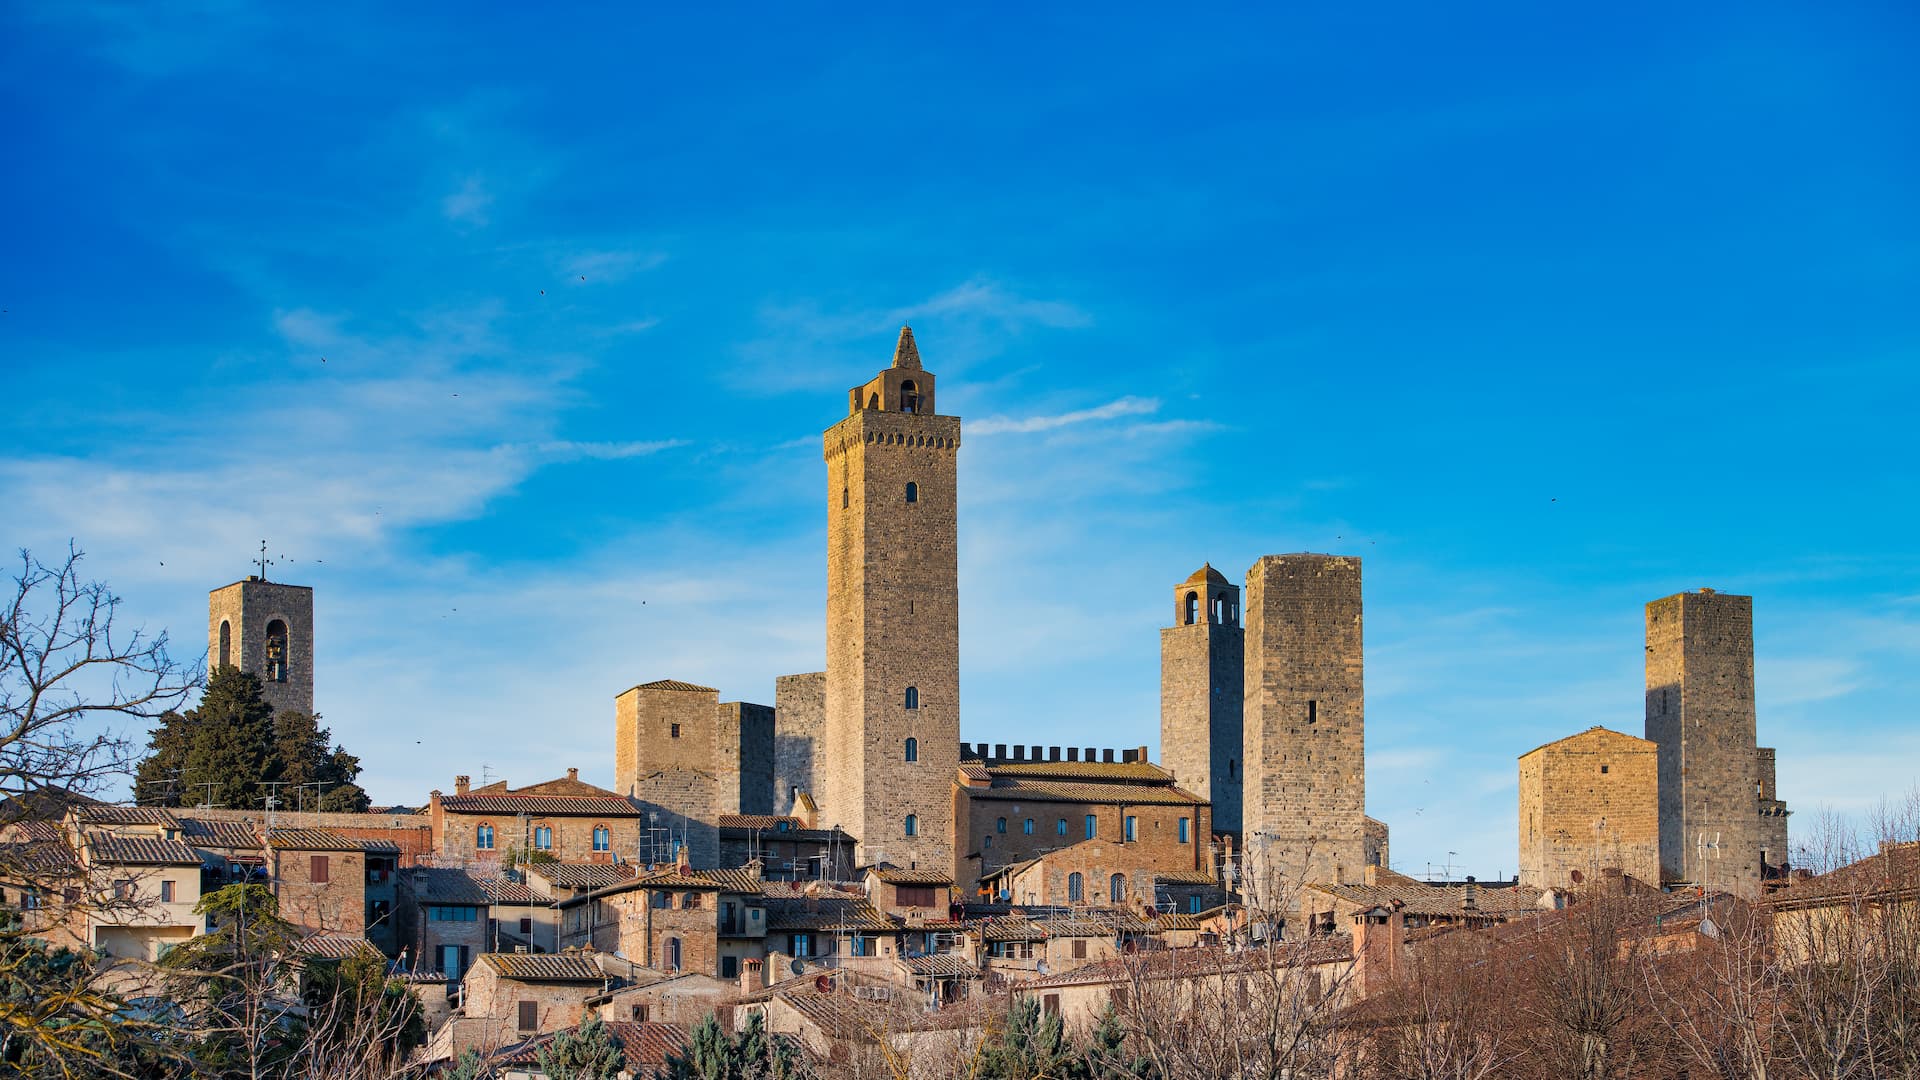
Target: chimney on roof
[1107,755]
[1140,753]
[1126,757]
[573,774]
[1019,753]
[751,977]
[999,750]
[1053,753]
[461,784]
[1091,750]
[1379,947]
[1470,895]
[1073,753]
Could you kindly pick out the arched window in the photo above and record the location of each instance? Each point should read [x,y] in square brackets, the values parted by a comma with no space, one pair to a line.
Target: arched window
[1093,826]
[913,749]
[483,837]
[543,838]
[670,954]
[1117,888]
[276,658]
[1063,827]
[1219,609]
[913,492]
[1028,827]
[913,825]
[1193,608]
[1000,826]
[913,697]
[987,842]
[1075,888]
[226,643]
[909,396]
[602,838]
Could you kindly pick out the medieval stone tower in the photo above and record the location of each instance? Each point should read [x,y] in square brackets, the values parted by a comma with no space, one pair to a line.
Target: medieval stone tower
[1202,687]
[266,628]
[1700,712]
[892,728]
[1305,790]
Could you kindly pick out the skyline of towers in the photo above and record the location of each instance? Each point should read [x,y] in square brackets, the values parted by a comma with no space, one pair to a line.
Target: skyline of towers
[1202,676]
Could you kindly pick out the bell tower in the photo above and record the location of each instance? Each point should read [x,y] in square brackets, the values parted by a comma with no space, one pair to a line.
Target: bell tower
[266,628]
[893,619]
[1202,685]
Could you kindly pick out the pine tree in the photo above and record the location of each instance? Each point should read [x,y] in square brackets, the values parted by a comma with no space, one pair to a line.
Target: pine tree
[235,742]
[1031,1045]
[754,1054]
[587,1052]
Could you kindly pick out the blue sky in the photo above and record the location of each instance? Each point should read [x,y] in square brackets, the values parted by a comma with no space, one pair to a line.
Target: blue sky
[1542,313]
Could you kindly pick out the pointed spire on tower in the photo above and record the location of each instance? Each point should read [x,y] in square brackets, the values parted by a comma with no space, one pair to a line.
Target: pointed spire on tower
[906,354]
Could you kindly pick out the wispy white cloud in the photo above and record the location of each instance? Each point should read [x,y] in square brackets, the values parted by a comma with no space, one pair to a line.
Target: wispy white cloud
[594,451]
[606,267]
[469,203]
[1126,406]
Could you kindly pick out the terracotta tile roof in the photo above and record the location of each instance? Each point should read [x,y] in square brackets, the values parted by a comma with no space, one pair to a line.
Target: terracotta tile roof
[584,875]
[336,946]
[219,834]
[1174,920]
[673,879]
[645,1044]
[1011,928]
[760,821]
[1596,733]
[1893,872]
[842,1014]
[39,830]
[443,885]
[541,805]
[940,965]
[139,851]
[310,840]
[1202,961]
[1133,772]
[106,814]
[743,879]
[1184,877]
[502,891]
[897,875]
[1434,900]
[825,913]
[37,857]
[1016,788]
[676,684]
[544,967]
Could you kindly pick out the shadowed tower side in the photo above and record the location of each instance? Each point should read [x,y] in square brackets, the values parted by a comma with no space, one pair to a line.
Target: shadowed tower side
[1305,792]
[892,729]
[1202,687]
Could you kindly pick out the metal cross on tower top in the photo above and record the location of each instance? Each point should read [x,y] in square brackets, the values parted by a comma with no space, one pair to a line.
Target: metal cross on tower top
[264,561]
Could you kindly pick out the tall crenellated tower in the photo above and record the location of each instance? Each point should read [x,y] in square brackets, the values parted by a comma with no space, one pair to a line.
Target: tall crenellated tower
[266,628]
[1306,782]
[892,731]
[1700,711]
[1202,675]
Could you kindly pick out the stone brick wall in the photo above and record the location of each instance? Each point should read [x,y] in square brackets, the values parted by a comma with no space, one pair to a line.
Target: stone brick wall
[1700,711]
[246,608]
[665,728]
[1096,861]
[1156,830]
[746,753]
[559,1004]
[1773,812]
[684,803]
[572,837]
[1305,805]
[893,622]
[1588,802]
[799,738]
[627,923]
[1202,692]
[337,905]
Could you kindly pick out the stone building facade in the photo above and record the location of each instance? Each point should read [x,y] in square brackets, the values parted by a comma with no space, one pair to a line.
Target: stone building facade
[799,739]
[320,878]
[1700,712]
[893,618]
[1202,693]
[567,819]
[1305,794]
[265,628]
[1587,802]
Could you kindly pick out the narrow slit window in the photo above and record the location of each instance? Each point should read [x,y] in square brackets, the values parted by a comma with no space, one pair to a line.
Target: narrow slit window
[913,492]
[913,749]
[913,697]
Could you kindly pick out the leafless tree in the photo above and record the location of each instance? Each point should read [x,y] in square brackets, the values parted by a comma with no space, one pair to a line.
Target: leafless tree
[1444,1019]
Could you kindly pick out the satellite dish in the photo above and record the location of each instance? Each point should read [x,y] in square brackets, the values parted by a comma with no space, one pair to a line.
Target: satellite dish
[823,984]
[1041,967]
[797,967]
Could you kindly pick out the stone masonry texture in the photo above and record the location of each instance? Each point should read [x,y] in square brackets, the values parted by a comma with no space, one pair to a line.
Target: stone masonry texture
[1700,711]
[893,619]
[1202,687]
[1587,802]
[1305,791]
[239,617]
[746,749]
[799,734]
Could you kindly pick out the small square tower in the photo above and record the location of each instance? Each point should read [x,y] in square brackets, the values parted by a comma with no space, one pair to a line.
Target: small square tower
[1588,802]
[265,628]
[1202,687]
[1700,711]
[1304,816]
